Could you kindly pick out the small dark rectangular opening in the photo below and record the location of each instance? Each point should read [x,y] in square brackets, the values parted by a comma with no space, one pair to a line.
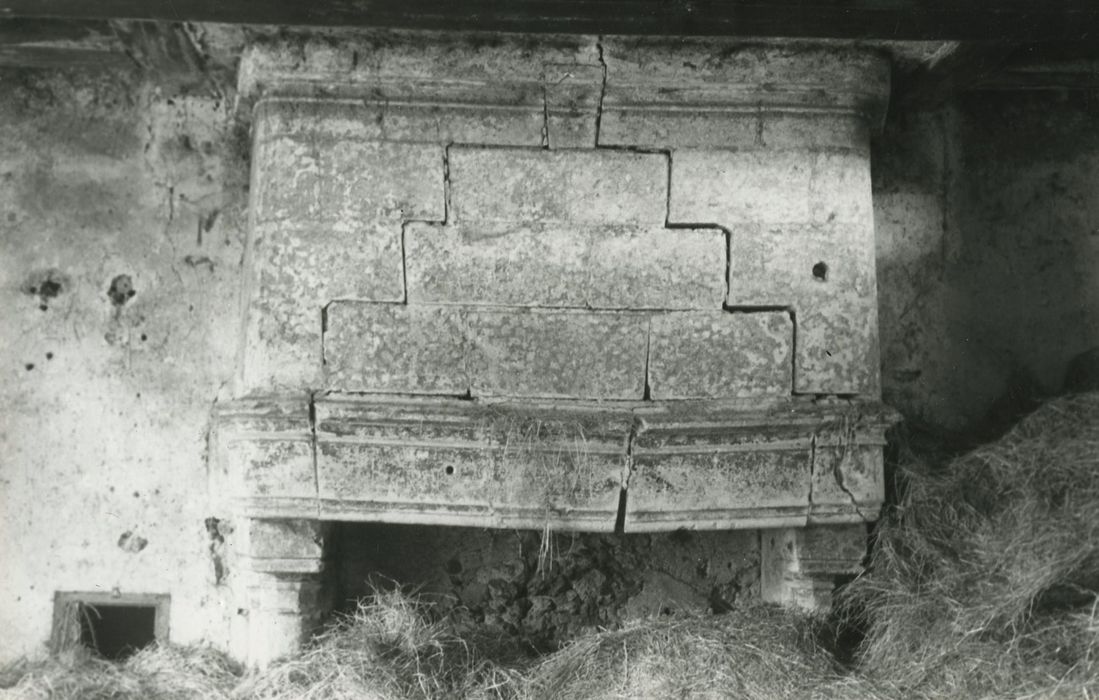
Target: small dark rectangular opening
[117,631]
[114,626]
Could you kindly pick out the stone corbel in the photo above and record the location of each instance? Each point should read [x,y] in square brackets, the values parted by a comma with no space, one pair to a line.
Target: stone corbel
[284,597]
[800,566]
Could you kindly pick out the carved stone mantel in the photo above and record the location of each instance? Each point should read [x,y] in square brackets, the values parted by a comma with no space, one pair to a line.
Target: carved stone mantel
[597,284]
[563,465]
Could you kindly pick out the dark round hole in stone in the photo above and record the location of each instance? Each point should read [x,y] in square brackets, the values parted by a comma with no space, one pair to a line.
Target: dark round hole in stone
[820,271]
[449,470]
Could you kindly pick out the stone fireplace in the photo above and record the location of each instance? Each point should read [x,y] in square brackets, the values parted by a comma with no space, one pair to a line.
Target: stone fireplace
[613,285]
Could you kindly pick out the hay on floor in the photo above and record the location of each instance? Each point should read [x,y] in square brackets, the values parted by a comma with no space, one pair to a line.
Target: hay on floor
[983,580]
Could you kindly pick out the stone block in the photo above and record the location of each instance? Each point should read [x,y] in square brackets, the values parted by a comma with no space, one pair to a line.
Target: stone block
[557,354]
[462,463]
[517,118]
[296,271]
[283,353]
[815,130]
[827,275]
[732,187]
[665,126]
[273,467]
[579,187]
[777,265]
[848,483]
[800,566]
[566,266]
[840,191]
[453,67]
[395,348]
[719,74]
[313,180]
[717,488]
[837,348]
[284,539]
[720,355]
[572,97]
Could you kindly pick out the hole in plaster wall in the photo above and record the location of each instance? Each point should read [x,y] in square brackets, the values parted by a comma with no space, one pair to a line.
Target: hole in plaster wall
[114,626]
[46,285]
[121,290]
[820,271]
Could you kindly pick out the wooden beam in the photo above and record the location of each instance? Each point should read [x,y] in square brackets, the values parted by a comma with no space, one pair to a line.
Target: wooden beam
[964,20]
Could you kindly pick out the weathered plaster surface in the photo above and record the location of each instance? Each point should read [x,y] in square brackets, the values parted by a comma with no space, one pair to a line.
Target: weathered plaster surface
[987,221]
[107,394]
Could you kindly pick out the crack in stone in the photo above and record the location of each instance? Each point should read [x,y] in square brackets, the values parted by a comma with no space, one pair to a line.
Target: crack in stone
[627,472]
[602,90]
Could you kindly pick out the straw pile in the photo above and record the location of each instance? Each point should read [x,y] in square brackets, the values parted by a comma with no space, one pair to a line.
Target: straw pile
[388,649]
[983,584]
[983,580]
[156,673]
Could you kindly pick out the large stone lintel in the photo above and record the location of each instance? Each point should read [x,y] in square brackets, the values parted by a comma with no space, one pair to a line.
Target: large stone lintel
[570,91]
[563,465]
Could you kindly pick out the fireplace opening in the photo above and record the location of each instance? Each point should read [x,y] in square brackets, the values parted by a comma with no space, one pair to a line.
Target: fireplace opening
[113,627]
[540,589]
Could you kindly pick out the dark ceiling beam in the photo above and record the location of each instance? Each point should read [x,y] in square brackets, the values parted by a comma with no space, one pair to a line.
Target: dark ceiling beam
[33,43]
[961,67]
[964,20]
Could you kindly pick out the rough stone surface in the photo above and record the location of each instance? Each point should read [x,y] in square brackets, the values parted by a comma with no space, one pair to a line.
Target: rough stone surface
[800,566]
[826,274]
[579,187]
[274,468]
[729,188]
[720,355]
[299,269]
[426,349]
[769,187]
[840,131]
[656,126]
[614,267]
[359,120]
[848,483]
[711,490]
[398,66]
[572,97]
[320,180]
[284,539]
[395,348]
[564,354]
[718,95]
[460,463]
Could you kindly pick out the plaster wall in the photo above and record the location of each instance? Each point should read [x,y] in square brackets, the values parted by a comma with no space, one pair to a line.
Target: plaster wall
[986,215]
[987,220]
